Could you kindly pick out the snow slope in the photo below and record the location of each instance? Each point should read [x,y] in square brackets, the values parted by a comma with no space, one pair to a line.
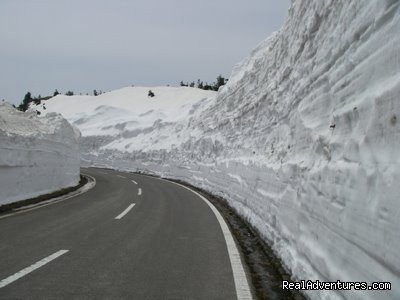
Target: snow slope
[127,118]
[37,155]
[303,141]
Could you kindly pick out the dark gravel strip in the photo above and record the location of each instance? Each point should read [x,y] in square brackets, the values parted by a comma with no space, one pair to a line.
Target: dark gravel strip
[6,208]
[265,268]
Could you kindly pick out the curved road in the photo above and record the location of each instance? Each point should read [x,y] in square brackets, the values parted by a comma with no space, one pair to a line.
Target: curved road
[130,237]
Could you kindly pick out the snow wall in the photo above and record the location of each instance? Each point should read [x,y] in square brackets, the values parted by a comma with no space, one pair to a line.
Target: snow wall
[37,155]
[303,141]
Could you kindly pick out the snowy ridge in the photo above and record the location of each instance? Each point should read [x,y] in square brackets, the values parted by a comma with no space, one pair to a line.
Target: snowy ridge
[124,118]
[37,155]
[303,141]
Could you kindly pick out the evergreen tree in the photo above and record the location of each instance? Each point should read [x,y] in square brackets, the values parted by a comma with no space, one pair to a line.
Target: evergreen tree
[205,86]
[25,103]
[95,93]
[200,84]
[208,87]
[69,93]
[56,93]
[220,82]
[37,100]
[151,94]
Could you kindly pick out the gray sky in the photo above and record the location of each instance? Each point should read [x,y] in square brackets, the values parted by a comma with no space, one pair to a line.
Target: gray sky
[81,45]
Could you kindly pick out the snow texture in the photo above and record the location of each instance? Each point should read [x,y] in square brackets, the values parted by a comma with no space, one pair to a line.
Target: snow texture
[37,155]
[303,140]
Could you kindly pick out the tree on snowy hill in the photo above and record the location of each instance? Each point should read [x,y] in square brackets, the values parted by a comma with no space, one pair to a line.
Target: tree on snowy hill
[69,93]
[28,99]
[25,103]
[205,86]
[37,100]
[151,94]
[208,87]
[95,93]
[56,93]
[220,82]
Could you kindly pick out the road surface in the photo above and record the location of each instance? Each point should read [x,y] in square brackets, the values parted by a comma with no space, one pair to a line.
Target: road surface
[130,237]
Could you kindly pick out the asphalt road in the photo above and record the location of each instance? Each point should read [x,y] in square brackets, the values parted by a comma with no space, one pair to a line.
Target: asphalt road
[130,237]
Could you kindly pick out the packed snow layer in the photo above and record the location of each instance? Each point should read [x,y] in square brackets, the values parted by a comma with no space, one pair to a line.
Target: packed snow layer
[37,155]
[303,141]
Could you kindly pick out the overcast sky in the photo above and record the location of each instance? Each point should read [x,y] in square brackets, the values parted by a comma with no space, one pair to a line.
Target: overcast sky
[81,45]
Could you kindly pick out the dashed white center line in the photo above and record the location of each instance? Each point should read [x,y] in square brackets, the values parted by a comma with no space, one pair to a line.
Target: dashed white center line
[31,268]
[121,176]
[139,191]
[134,181]
[120,216]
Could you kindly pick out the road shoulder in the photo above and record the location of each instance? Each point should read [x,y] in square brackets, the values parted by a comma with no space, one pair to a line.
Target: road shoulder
[86,183]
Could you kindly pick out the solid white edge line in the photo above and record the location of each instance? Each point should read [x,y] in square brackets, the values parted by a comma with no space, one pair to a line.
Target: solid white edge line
[139,191]
[239,275]
[121,215]
[87,187]
[31,268]
[121,176]
[134,181]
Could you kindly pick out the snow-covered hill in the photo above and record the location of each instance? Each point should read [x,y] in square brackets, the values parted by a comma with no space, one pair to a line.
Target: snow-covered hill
[37,155]
[303,141]
[126,119]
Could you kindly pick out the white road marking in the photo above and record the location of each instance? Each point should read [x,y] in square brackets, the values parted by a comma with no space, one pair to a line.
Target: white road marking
[239,276]
[78,192]
[120,216]
[121,176]
[139,191]
[31,268]
[134,181]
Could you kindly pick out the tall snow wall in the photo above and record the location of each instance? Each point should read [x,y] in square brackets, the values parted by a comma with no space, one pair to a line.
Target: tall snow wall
[37,155]
[303,141]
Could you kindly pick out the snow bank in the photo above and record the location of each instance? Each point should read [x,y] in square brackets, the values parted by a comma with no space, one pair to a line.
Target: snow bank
[303,141]
[37,155]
